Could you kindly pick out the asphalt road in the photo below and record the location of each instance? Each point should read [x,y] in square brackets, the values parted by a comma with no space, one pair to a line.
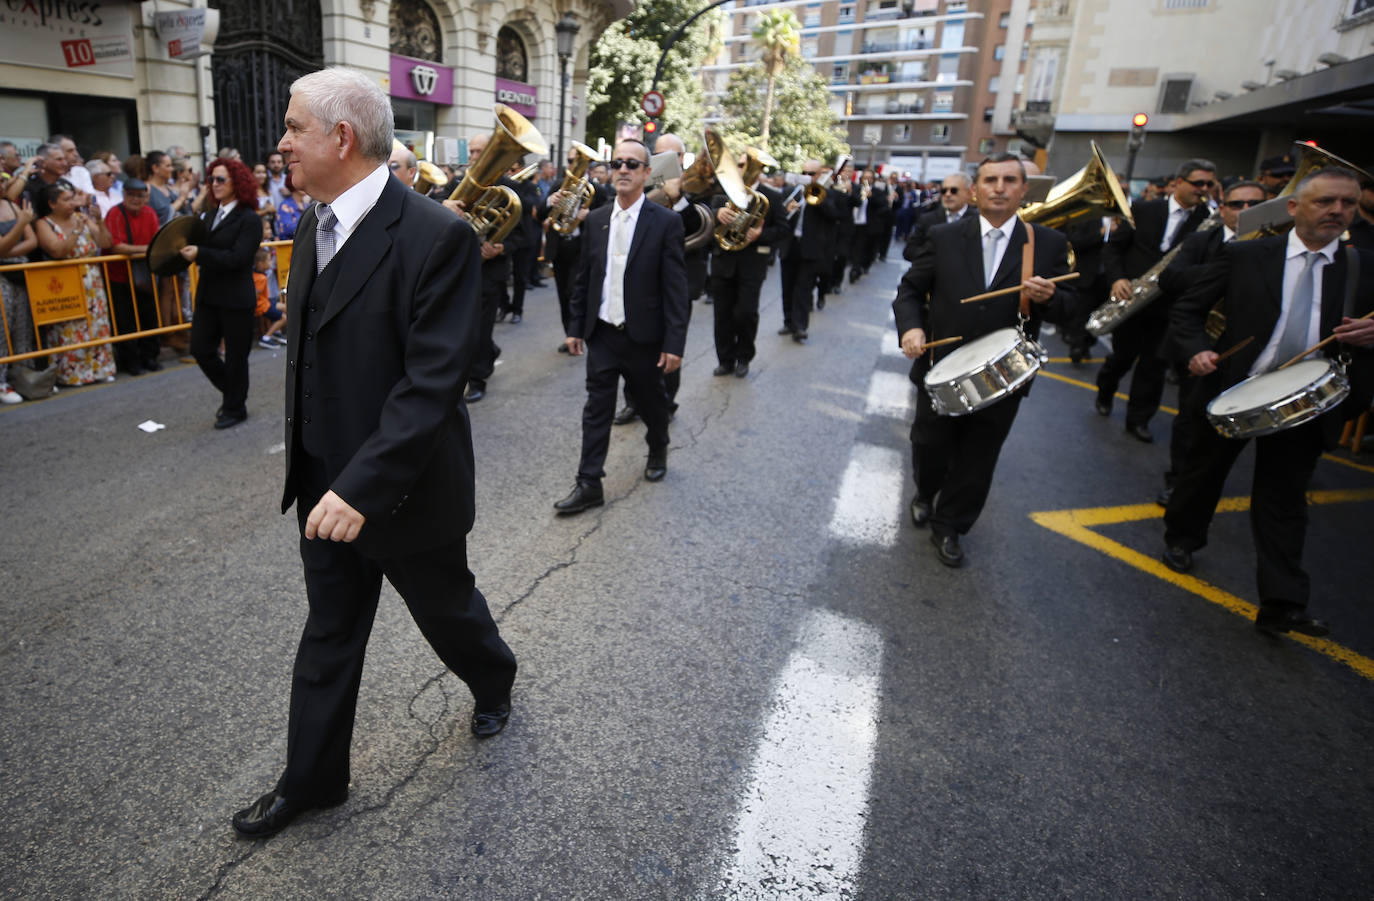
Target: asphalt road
[751,680]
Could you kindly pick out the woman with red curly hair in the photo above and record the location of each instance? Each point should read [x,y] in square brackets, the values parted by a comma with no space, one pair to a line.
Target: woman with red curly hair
[225,295]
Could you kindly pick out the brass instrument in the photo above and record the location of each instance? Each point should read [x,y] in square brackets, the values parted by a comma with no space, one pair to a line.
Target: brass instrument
[701,179]
[427,176]
[1144,290]
[1272,216]
[821,184]
[1092,190]
[735,235]
[526,173]
[576,189]
[494,210]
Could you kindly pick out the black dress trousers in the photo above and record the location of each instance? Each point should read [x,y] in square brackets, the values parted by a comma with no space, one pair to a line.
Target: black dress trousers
[954,458]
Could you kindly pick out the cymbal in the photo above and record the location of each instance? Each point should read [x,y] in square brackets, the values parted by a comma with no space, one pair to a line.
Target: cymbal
[164,251]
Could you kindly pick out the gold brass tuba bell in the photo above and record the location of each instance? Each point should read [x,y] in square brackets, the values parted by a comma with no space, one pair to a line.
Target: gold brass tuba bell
[1091,191]
[735,235]
[703,179]
[494,210]
[576,189]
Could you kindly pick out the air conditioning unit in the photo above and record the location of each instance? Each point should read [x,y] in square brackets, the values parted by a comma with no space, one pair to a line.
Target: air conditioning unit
[1175,93]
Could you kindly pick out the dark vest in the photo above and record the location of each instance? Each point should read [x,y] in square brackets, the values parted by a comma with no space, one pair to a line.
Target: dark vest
[307,373]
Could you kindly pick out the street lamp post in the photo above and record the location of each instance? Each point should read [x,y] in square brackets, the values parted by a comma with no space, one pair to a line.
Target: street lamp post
[566,30]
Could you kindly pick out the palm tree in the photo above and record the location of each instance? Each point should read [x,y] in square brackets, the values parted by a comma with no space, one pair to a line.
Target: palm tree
[778,33]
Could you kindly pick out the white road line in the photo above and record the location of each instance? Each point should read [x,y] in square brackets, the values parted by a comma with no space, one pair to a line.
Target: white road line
[799,834]
[890,394]
[868,505]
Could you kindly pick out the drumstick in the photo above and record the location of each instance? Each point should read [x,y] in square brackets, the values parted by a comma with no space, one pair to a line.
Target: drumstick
[942,342]
[1013,290]
[1322,343]
[1234,347]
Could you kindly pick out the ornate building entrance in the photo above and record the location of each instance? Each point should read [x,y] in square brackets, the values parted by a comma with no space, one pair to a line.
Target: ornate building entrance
[263,46]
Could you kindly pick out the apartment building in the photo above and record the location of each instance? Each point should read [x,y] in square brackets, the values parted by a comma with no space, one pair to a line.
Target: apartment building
[913,82]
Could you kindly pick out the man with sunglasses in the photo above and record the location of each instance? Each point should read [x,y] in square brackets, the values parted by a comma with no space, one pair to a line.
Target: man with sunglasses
[1160,225]
[1199,249]
[629,317]
[956,192]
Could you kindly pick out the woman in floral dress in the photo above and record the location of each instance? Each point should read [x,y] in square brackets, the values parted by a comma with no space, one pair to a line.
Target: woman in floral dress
[69,233]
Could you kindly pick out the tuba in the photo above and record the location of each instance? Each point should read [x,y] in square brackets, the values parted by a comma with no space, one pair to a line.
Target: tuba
[494,210]
[577,191]
[1092,190]
[700,180]
[735,235]
[427,175]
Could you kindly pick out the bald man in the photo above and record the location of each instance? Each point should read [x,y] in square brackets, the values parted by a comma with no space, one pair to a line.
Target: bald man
[403,165]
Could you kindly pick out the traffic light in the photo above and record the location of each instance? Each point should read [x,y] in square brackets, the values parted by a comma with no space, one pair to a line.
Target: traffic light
[1137,138]
[651,127]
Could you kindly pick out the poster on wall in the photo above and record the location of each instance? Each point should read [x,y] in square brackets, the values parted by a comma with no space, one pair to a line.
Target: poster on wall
[91,37]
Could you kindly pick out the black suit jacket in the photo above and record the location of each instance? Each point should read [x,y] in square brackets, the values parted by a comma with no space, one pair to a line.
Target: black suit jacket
[819,227]
[925,222]
[1133,250]
[225,259]
[1198,249]
[392,345]
[656,305]
[949,267]
[753,260]
[1247,278]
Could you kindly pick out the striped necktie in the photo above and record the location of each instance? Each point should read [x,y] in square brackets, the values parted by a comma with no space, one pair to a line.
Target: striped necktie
[324,237]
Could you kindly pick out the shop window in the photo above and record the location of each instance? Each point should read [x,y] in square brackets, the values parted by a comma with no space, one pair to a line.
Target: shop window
[511,61]
[415,30]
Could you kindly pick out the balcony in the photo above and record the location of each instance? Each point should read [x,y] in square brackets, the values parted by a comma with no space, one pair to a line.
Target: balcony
[895,46]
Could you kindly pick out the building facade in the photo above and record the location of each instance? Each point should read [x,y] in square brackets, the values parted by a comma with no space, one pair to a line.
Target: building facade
[913,82]
[1236,82]
[117,77]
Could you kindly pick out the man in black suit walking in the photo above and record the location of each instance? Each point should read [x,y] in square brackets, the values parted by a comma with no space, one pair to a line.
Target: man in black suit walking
[629,315]
[956,202]
[1160,225]
[383,324]
[1284,294]
[954,456]
[809,253]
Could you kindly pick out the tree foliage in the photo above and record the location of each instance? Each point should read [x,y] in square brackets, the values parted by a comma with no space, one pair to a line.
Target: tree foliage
[805,127]
[622,68]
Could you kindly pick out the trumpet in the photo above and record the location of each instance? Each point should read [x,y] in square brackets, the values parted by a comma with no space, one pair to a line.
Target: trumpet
[735,235]
[577,191]
[816,191]
[494,210]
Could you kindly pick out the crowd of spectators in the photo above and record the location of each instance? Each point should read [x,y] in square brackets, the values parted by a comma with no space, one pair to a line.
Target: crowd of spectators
[56,204]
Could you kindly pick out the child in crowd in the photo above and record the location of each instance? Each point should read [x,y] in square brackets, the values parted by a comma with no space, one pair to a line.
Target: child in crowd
[267,305]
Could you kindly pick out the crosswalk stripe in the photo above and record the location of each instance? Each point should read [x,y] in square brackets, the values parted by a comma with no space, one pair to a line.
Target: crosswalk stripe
[889,394]
[799,834]
[868,504]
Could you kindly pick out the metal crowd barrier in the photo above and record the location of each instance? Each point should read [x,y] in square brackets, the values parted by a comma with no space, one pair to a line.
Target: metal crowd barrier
[57,293]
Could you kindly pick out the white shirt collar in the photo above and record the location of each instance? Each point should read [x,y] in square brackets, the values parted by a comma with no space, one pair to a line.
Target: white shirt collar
[1297,248]
[958,214]
[225,209]
[1175,207]
[1006,227]
[352,205]
[633,209]
[1226,233]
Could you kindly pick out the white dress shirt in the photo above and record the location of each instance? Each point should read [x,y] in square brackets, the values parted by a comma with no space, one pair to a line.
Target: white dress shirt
[352,205]
[1177,216]
[956,215]
[1007,228]
[1292,268]
[222,213]
[604,311]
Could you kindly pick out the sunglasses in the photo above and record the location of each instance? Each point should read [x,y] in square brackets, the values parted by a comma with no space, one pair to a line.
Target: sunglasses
[219,179]
[1202,184]
[632,165]
[393,166]
[1241,204]
[950,190]
[811,172]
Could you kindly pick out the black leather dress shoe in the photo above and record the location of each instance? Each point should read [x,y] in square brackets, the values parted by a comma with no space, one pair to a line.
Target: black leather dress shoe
[582,497]
[1179,559]
[947,549]
[920,511]
[1140,433]
[626,415]
[563,349]
[486,723]
[1103,404]
[272,813]
[799,337]
[723,369]
[786,330]
[1277,620]
[475,392]
[741,370]
[657,467]
[229,420]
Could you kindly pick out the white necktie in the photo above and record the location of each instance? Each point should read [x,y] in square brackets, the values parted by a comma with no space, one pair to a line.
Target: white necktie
[1293,339]
[990,242]
[620,250]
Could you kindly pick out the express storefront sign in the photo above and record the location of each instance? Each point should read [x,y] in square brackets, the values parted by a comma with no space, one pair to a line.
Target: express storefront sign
[78,36]
[523,98]
[418,79]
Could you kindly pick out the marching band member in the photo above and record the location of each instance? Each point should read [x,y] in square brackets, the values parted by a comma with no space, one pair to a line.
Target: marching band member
[955,193]
[1159,226]
[808,254]
[954,457]
[1285,293]
[737,278]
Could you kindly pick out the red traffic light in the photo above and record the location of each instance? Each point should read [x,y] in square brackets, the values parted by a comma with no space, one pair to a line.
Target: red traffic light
[650,127]
[1140,120]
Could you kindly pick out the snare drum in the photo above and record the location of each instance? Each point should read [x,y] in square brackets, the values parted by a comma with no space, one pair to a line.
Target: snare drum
[983,371]
[1273,401]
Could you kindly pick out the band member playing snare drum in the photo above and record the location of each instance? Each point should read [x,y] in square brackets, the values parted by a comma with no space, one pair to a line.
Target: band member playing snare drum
[1287,294]
[954,456]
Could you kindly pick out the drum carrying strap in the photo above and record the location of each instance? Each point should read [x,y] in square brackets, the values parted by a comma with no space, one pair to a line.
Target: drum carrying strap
[1352,279]
[1027,266]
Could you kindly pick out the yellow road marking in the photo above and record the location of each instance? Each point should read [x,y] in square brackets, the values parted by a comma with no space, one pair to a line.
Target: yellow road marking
[1173,412]
[1077,525]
